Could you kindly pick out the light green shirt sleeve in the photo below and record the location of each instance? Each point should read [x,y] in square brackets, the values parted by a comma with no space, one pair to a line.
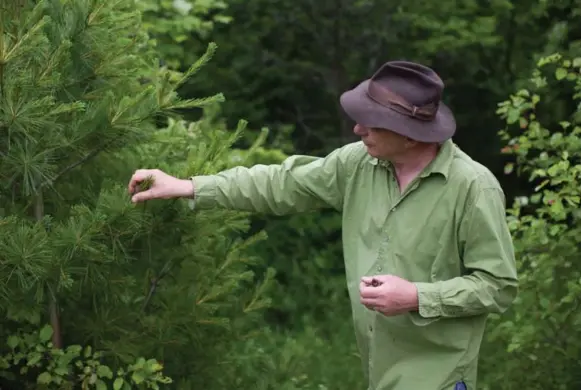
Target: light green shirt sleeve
[489,284]
[300,183]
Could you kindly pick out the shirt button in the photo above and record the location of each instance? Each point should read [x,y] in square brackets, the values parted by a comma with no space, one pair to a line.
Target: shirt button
[379,268]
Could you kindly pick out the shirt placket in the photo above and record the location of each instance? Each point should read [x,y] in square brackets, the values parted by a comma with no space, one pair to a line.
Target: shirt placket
[382,253]
[395,198]
[370,333]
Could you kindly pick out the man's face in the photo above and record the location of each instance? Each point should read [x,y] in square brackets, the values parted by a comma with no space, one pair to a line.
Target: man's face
[383,144]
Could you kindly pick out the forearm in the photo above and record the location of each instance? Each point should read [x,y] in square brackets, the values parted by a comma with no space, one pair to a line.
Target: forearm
[300,183]
[474,294]
[236,189]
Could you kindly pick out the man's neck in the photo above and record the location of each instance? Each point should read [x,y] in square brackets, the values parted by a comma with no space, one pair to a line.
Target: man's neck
[409,166]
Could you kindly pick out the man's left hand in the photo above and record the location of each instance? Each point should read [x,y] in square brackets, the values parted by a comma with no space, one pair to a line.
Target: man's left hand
[388,294]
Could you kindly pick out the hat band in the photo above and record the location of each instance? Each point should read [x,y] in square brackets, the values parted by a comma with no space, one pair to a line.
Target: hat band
[395,102]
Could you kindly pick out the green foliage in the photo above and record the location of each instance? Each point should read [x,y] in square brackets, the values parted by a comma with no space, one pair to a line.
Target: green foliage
[311,277]
[34,352]
[543,329]
[172,23]
[81,97]
[320,355]
[200,286]
[286,63]
[213,129]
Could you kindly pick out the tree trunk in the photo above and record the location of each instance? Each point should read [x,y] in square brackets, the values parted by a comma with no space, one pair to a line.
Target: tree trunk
[53,305]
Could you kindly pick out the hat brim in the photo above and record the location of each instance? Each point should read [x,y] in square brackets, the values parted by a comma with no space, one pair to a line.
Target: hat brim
[366,112]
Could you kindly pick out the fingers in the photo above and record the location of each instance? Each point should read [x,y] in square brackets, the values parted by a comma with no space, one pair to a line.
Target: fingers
[139,176]
[382,278]
[368,291]
[372,281]
[370,303]
[143,196]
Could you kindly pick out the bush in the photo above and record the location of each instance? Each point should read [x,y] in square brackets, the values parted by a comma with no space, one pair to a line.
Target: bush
[542,334]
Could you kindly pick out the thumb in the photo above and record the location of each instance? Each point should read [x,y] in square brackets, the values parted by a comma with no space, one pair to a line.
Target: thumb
[375,280]
[371,281]
[381,278]
[143,196]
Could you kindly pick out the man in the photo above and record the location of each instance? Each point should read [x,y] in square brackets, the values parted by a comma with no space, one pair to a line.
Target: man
[428,254]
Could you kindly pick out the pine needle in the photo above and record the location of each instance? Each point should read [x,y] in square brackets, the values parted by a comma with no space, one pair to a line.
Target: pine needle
[146,184]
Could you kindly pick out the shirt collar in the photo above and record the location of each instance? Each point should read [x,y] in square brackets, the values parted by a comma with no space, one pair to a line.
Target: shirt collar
[441,164]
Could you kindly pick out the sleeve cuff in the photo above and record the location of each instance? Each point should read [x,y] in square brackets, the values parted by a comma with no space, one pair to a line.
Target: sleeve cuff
[429,300]
[204,192]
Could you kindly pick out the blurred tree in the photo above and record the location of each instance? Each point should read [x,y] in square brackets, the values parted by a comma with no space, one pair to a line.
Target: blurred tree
[288,62]
[174,24]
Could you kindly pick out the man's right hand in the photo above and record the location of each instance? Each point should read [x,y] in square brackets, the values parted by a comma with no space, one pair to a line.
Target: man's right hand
[164,186]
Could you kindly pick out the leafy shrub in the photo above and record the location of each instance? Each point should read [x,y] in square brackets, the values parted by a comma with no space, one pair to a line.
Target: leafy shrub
[540,341]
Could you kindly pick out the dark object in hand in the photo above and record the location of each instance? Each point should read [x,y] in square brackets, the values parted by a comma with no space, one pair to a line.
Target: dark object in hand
[375,283]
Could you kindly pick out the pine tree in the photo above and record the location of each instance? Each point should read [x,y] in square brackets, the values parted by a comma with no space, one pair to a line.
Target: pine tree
[82,269]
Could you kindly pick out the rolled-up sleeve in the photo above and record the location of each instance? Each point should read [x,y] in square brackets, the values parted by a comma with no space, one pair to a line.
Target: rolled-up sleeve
[489,283]
[300,183]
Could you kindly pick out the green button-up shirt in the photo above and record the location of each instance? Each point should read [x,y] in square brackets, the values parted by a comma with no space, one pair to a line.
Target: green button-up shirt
[446,233]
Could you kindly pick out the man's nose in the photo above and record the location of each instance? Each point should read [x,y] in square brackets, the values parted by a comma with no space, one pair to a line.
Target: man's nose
[360,130]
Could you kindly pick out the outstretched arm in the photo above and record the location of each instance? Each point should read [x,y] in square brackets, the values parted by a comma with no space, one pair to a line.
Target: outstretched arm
[300,183]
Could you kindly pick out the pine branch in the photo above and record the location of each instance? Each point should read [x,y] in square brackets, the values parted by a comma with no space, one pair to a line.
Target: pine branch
[72,166]
[155,282]
[145,185]
[196,66]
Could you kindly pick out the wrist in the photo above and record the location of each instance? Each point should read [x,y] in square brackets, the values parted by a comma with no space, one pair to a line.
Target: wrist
[186,188]
[414,299]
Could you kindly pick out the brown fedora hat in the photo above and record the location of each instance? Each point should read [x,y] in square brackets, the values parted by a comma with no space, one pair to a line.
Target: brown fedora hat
[403,97]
